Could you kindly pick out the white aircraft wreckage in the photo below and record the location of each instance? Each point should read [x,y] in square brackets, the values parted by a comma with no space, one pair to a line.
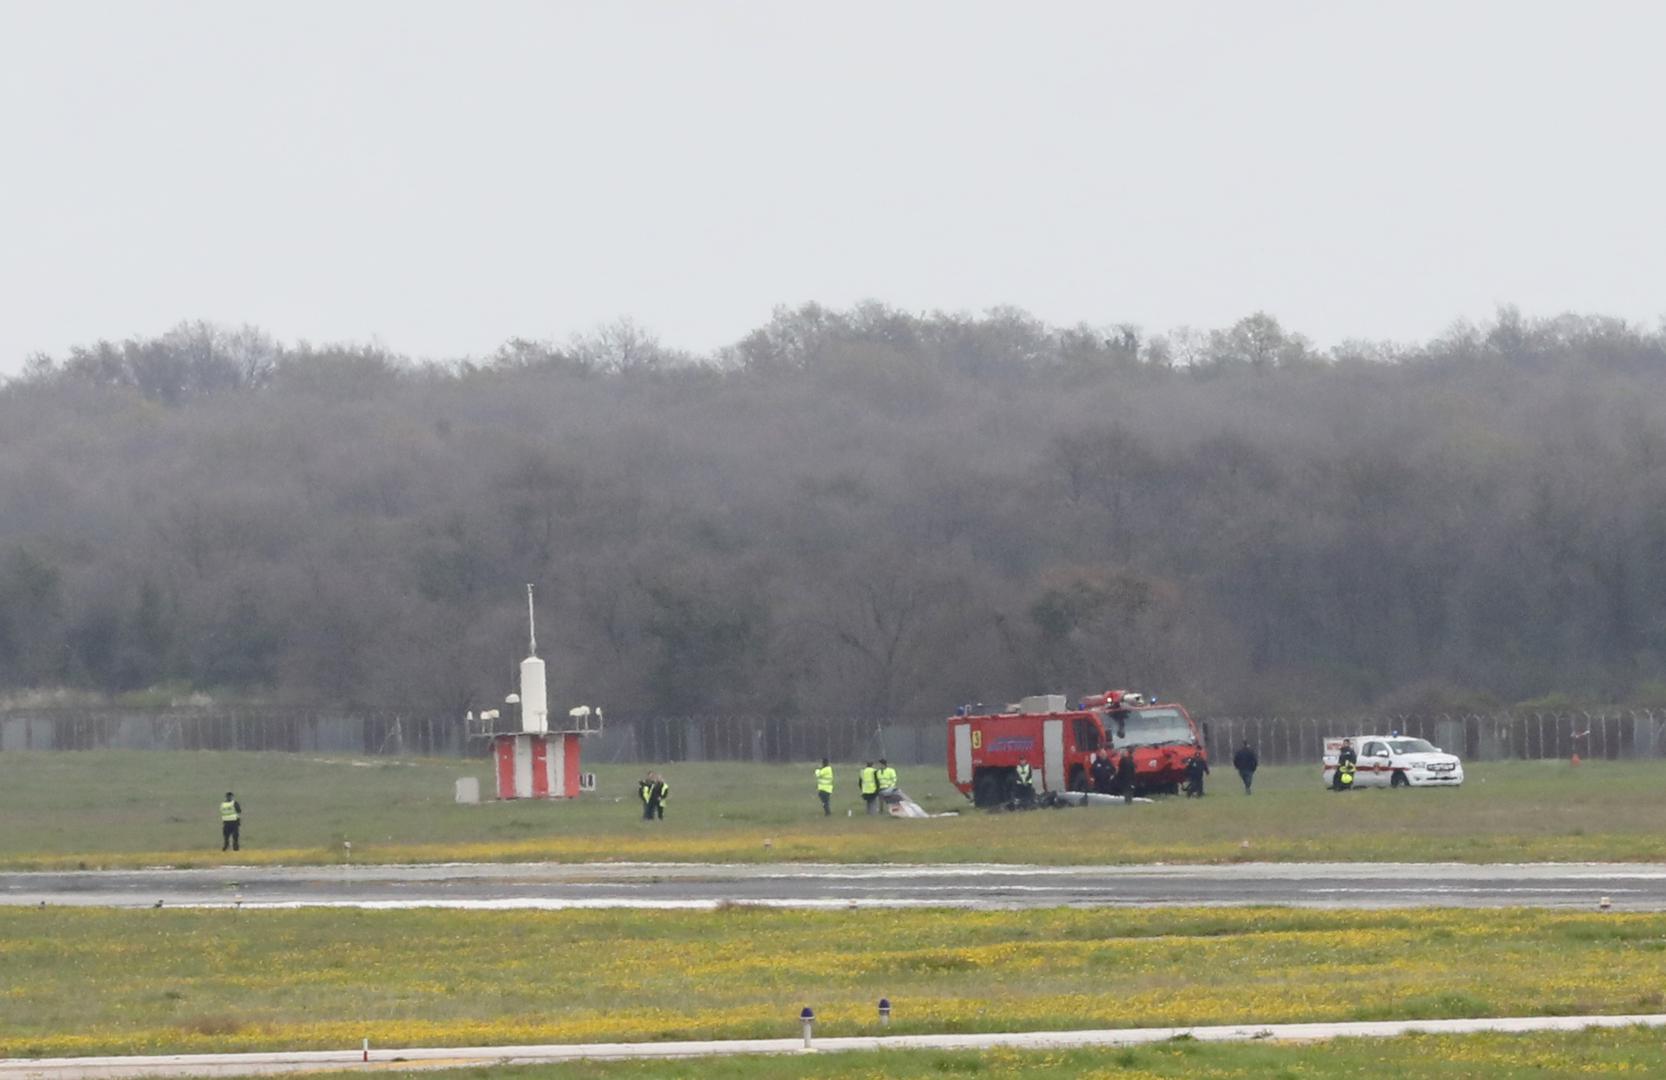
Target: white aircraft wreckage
[1088,798]
[898,804]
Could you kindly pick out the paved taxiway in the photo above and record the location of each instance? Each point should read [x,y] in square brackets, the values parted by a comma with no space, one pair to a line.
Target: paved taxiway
[1629,886]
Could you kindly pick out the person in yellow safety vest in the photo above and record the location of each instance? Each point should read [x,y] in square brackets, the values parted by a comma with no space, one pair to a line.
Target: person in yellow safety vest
[231,823]
[824,787]
[654,791]
[1026,782]
[887,777]
[1345,776]
[870,786]
[1344,756]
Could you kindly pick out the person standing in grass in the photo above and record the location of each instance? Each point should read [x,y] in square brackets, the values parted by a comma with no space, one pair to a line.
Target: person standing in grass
[231,824]
[887,777]
[654,791]
[824,787]
[1101,770]
[1246,762]
[1125,775]
[870,786]
[1196,768]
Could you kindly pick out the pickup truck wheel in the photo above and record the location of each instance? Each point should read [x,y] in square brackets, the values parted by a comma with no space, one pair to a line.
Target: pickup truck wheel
[1398,779]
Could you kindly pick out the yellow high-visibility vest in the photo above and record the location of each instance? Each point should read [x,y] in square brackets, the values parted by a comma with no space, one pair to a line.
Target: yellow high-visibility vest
[870,780]
[887,777]
[1025,774]
[824,778]
[228,811]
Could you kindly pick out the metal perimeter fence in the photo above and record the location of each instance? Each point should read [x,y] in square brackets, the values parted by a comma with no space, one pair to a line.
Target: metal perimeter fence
[1625,733]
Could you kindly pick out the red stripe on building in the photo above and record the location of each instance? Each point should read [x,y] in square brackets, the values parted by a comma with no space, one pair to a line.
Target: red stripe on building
[540,769]
[504,747]
[569,763]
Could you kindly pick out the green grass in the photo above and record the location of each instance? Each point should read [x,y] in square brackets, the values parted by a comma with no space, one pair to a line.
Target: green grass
[85,981]
[108,808]
[1542,1055]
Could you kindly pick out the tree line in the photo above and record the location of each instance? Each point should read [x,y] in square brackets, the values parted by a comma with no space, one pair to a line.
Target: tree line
[859,512]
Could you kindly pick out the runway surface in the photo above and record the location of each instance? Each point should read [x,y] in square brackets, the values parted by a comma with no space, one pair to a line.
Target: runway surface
[487,1057]
[1629,886]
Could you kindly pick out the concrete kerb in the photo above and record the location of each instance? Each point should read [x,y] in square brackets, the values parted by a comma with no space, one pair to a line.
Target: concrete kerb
[251,1064]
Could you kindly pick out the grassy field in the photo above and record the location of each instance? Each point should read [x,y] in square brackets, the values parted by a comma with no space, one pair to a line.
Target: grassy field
[114,808]
[1634,1051]
[83,981]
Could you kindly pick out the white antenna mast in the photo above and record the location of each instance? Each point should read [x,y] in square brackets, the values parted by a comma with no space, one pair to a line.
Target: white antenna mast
[531,625]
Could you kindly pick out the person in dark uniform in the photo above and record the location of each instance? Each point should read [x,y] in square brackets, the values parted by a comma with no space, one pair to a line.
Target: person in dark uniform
[1196,768]
[1025,790]
[231,824]
[1344,756]
[1102,772]
[1125,775]
[1245,761]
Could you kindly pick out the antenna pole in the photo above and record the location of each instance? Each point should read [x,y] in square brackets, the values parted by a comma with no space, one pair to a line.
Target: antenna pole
[531,626]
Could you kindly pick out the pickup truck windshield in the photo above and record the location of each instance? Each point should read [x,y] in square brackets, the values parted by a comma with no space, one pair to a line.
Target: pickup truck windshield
[1149,727]
[1412,746]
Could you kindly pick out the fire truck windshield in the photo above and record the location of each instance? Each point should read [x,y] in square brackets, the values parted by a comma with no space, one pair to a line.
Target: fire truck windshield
[1149,727]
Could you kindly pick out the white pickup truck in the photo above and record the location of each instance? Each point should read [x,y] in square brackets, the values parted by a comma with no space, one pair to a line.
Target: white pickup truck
[1396,761]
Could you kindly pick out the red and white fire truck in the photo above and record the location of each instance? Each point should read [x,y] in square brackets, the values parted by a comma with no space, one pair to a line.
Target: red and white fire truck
[1060,744]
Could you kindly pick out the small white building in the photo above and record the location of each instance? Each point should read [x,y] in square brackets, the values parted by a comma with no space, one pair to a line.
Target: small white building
[534,760]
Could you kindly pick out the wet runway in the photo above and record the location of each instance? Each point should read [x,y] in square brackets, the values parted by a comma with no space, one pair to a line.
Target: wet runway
[1629,886]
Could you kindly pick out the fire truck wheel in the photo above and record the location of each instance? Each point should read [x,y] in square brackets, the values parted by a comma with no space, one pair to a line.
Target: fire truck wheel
[988,791]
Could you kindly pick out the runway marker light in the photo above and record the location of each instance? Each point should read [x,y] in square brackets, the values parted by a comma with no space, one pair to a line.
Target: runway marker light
[807,1020]
[367,1049]
[884,1012]
[1605,903]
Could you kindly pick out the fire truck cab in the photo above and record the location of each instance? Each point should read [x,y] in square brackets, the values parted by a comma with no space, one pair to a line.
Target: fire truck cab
[1060,743]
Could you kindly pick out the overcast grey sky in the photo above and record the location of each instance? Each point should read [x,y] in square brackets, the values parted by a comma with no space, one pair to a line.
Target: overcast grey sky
[443,176]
